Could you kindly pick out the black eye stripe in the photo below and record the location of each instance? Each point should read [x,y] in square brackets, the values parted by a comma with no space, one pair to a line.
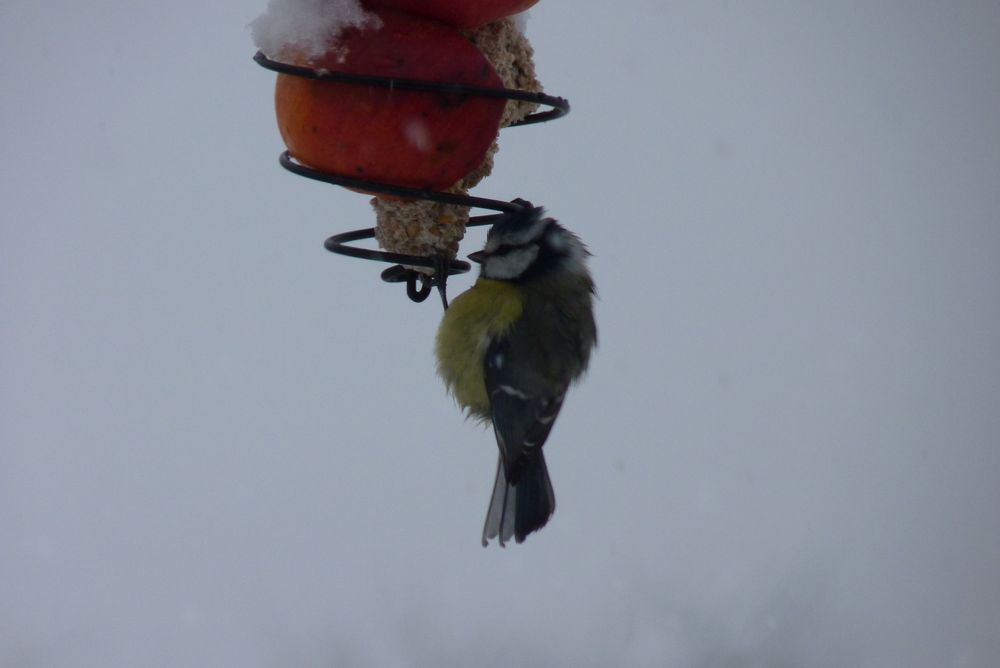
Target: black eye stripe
[503,249]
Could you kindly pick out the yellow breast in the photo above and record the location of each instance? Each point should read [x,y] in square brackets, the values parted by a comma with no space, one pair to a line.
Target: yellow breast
[485,311]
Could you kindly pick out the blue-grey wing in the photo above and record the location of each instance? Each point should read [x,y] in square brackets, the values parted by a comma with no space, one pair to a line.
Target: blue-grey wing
[523,411]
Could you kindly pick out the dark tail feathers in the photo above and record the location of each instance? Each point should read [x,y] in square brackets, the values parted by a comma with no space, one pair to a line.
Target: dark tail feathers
[518,508]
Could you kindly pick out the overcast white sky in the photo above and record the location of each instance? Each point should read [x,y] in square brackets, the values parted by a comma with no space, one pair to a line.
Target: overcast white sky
[222,446]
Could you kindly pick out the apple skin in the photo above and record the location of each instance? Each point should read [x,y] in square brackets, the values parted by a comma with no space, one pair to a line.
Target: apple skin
[406,138]
[461,13]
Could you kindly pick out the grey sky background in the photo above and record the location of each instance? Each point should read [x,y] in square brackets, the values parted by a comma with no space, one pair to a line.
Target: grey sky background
[222,446]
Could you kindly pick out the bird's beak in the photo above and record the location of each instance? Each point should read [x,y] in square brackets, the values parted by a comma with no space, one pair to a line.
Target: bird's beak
[478,257]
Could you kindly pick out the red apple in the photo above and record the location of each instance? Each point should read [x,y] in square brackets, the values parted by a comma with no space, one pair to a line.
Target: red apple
[406,138]
[461,13]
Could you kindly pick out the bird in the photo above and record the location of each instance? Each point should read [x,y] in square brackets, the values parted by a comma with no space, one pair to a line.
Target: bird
[508,349]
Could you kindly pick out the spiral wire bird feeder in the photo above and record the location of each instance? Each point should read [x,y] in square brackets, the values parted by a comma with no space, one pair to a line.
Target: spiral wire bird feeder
[418,284]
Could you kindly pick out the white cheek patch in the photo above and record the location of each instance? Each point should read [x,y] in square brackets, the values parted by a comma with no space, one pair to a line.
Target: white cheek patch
[511,264]
[519,237]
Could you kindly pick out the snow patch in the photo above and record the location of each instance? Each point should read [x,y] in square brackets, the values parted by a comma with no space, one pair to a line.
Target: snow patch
[417,133]
[308,27]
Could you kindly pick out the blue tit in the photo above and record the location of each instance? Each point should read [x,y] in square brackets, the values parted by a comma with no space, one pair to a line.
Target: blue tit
[509,347]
